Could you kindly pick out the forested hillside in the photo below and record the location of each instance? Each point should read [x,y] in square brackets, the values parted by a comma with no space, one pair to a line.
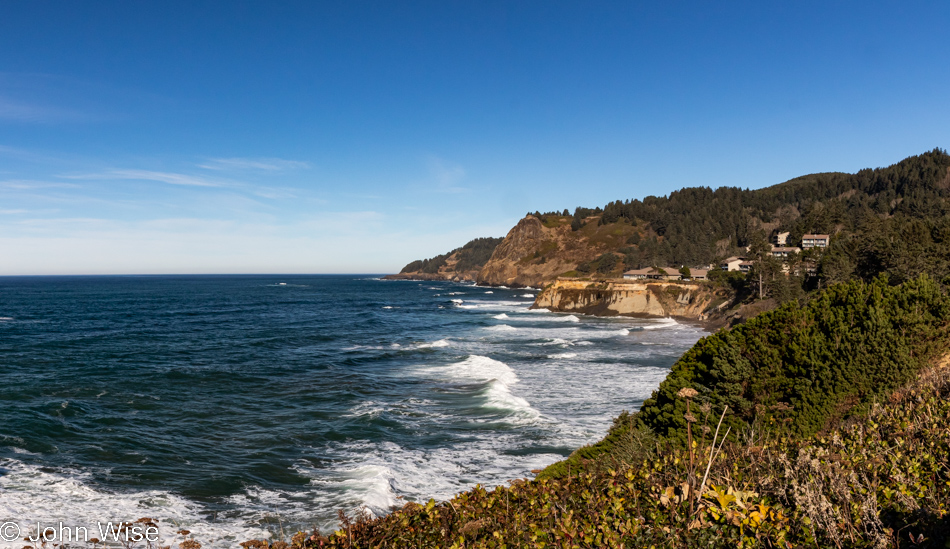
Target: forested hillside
[461,263]
[697,225]
[893,220]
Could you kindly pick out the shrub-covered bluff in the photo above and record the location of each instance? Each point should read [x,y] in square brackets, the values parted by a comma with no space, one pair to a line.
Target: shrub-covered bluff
[823,425]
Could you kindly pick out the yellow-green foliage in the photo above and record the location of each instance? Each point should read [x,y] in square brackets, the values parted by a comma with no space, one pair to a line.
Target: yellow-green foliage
[879,482]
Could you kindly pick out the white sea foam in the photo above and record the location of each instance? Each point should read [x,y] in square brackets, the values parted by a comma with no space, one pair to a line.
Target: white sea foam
[528,295]
[383,474]
[555,318]
[563,355]
[5,318]
[435,344]
[661,323]
[502,316]
[502,328]
[481,368]
[497,393]
[32,495]
[498,396]
[623,332]
[387,306]
[554,341]
[459,301]
[489,292]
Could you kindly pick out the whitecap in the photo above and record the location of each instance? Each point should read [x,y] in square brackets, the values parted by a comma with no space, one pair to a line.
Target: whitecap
[435,344]
[555,341]
[32,495]
[661,323]
[558,318]
[489,292]
[502,316]
[498,396]
[459,301]
[387,307]
[502,328]
[497,393]
[528,295]
[375,484]
[481,368]
[563,355]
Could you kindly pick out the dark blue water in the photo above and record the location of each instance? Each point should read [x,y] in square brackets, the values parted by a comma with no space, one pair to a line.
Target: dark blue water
[234,405]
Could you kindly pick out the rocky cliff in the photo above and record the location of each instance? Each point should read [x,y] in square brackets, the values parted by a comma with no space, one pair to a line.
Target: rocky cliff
[535,253]
[694,301]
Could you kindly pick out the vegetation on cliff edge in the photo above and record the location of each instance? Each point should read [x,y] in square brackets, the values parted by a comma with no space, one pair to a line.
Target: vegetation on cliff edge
[814,426]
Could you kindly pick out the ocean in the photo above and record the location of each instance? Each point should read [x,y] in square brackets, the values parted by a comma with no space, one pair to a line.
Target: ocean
[238,407]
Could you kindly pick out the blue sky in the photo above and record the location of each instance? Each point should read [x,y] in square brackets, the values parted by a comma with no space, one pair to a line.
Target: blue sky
[322,137]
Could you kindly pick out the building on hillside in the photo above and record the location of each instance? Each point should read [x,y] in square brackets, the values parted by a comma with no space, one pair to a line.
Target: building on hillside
[732,263]
[780,239]
[637,274]
[782,252]
[814,241]
[698,274]
[652,273]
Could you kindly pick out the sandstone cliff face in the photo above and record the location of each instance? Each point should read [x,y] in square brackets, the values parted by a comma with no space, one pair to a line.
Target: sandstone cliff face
[535,253]
[610,298]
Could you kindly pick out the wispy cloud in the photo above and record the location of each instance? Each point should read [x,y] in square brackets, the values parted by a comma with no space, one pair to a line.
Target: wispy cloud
[12,212]
[29,185]
[170,178]
[259,164]
[447,176]
[25,112]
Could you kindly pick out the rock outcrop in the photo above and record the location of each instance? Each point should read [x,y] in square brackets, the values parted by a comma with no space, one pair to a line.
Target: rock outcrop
[693,301]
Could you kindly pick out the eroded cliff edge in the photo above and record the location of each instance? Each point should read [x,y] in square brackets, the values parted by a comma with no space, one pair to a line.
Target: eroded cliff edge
[684,300]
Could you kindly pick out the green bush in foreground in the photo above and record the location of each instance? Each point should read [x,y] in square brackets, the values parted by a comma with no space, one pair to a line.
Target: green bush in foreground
[807,366]
[883,481]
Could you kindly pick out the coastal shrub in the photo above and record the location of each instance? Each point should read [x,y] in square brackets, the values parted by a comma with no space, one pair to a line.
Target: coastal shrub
[798,368]
[880,482]
[795,472]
